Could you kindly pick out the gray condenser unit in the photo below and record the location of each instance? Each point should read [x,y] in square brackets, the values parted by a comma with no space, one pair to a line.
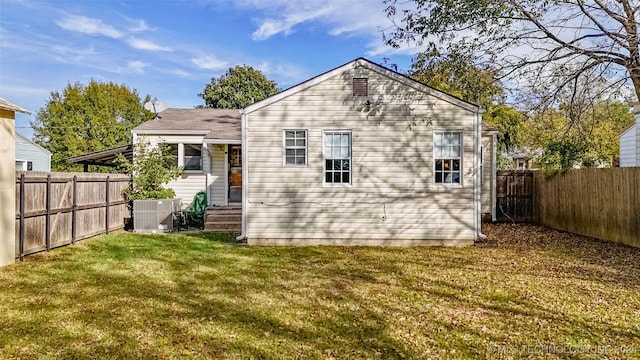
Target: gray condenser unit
[156,216]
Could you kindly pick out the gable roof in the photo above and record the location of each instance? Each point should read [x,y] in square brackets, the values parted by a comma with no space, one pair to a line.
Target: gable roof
[24,138]
[214,123]
[362,62]
[4,104]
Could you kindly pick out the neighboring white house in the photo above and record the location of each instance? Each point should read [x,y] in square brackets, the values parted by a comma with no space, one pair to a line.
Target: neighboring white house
[630,146]
[31,156]
[8,181]
[362,155]
[630,141]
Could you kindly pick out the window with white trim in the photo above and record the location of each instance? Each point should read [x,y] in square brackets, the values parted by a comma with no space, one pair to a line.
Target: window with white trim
[447,155]
[295,147]
[337,157]
[187,155]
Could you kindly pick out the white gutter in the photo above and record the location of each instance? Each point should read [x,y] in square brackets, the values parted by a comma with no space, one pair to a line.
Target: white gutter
[245,177]
[477,182]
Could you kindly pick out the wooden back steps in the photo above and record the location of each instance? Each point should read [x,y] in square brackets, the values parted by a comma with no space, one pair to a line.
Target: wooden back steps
[223,219]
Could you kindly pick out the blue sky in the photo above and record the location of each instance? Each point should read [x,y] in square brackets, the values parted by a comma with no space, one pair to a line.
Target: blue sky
[171,49]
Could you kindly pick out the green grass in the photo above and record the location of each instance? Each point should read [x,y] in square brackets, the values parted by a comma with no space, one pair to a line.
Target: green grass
[197,296]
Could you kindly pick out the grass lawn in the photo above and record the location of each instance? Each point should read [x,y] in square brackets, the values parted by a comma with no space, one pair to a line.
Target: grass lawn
[196,296]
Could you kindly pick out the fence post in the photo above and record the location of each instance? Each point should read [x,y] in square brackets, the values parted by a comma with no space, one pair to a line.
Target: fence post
[21,206]
[106,220]
[74,209]
[47,235]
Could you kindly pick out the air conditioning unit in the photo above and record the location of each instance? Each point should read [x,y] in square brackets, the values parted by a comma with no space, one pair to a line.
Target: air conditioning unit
[156,216]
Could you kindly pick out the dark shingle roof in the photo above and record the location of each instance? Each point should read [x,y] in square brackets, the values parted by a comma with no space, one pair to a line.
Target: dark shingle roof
[221,123]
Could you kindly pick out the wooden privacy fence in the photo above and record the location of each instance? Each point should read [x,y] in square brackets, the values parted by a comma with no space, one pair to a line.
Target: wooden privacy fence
[602,203]
[56,209]
[515,196]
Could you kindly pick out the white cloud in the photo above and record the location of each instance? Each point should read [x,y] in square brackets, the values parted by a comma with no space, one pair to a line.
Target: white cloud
[140,27]
[209,62]
[361,18]
[136,66]
[270,27]
[88,26]
[142,44]
[181,73]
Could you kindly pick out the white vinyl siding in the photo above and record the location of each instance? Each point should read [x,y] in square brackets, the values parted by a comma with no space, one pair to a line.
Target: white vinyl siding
[628,156]
[392,194]
[218,175]
[488,174]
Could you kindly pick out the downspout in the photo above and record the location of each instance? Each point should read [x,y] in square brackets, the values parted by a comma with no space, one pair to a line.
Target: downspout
[494,169]
[477,182]
[245,177]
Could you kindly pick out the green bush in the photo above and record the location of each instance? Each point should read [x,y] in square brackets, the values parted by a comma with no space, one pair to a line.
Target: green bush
[151,170]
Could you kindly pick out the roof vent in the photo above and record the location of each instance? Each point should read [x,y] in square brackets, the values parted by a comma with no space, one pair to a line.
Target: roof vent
[360,87]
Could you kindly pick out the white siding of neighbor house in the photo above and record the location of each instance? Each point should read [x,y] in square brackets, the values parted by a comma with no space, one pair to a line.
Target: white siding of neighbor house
[629,147]
[191,182]
[218,176]
[488,174]
[26,150]
[637,139]
[392,196]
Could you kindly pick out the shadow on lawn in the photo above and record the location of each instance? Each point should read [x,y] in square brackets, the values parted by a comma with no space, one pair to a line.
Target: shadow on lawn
[143,300]
[193,296]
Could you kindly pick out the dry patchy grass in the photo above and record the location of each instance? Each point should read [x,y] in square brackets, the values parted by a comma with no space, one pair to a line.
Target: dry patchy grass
[195,296]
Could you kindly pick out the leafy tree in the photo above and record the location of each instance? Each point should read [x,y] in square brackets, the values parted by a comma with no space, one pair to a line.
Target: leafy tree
[81,119]
[151,170]
[590,141]
[539,44]
[238,88]
[509,122]
[458,77]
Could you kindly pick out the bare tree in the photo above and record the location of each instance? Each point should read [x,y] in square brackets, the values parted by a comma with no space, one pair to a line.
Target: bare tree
[552,48]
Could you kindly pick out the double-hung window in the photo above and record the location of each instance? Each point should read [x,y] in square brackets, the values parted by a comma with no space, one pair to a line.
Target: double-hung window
[447,155]
[337,157]
[295,147]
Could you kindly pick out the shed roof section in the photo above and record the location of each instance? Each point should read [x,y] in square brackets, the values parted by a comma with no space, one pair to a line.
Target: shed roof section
[214,123]
[104,157]
[488,128]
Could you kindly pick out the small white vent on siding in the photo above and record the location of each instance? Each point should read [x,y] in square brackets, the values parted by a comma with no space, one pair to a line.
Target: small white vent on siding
[360,87]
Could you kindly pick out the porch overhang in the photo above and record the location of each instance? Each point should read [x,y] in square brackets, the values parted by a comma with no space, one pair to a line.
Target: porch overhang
[106,157]
[222,141]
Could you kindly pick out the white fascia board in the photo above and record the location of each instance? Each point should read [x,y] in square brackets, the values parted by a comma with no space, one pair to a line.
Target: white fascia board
[169,132]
